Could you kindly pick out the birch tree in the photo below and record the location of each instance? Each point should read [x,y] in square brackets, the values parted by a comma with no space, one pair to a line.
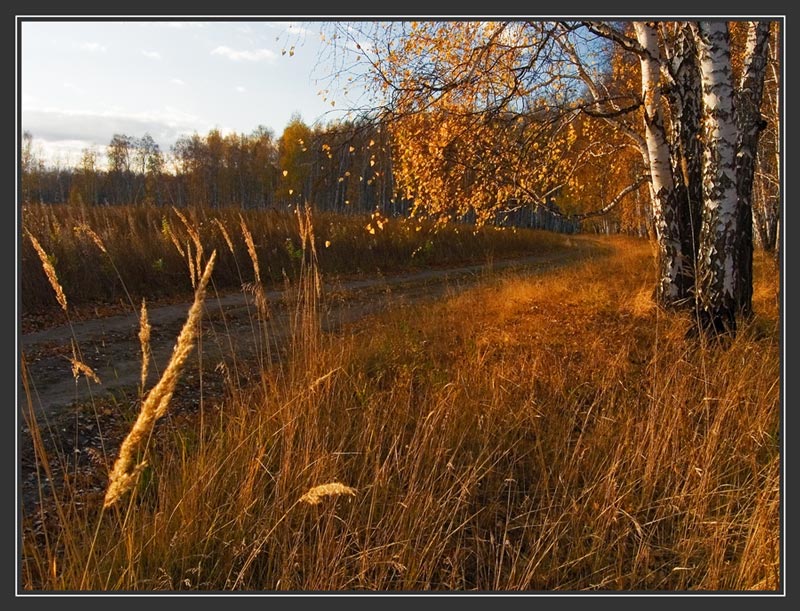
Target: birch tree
[749,124]
[715,196]
[446,86]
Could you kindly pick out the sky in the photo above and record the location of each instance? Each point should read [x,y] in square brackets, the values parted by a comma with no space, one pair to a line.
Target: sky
[81,82]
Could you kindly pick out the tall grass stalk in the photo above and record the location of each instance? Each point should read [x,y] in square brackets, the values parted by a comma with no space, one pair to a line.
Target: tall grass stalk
[154,406]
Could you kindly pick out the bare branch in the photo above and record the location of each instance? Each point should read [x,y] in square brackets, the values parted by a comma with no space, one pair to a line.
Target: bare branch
[610,114]
[634,136]
[606,31]
[619,197]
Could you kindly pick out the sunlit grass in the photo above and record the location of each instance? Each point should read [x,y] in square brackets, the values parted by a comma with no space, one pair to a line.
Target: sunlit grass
[550,432]
[102,252]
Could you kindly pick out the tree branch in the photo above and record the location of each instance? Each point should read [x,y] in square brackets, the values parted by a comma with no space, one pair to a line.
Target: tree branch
[619,197]
[606,31]
[608,114]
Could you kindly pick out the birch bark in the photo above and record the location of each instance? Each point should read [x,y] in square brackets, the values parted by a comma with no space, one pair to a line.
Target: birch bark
[718,261]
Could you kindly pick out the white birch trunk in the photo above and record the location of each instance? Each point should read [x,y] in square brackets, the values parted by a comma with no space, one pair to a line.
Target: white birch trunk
[662,188]
[717,272]
[686,109]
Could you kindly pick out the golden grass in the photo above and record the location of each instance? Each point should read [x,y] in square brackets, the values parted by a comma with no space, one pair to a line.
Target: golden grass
[556,432]
[225,235]
[262,304]
[144,343]
[146,249]
[50,271]
[98,241]
[154,406]
[333,489]
[251,248]
[79,367]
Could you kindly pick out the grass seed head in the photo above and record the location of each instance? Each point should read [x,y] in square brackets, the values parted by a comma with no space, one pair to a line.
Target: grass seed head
[315,495]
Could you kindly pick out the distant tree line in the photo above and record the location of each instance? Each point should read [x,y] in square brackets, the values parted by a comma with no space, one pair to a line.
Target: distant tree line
[341,167]
[344,166]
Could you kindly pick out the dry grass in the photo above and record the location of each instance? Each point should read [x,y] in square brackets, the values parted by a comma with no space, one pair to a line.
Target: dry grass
[102,253]
[144,342]
[49,271]
[333,489]
[125,472]
[550,433]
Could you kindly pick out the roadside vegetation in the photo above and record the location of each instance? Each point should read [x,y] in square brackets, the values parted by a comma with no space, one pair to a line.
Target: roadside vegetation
[121,254]
[557,431]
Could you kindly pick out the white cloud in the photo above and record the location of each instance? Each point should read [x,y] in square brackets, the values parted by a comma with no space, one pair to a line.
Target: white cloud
[67,152]
[55,126]
[292,27]
[74,87]
[93,47]
[250,56]
[177,81]
[151,54]
[240,89]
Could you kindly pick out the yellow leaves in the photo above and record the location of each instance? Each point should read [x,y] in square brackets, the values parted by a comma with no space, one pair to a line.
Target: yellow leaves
[327,243]
[286,172]
[379,219]
[351,149]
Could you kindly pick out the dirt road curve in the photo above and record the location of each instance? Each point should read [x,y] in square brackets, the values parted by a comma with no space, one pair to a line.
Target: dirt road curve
[110,346]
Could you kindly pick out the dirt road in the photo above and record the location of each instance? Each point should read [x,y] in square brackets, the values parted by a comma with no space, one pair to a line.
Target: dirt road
[110,346]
